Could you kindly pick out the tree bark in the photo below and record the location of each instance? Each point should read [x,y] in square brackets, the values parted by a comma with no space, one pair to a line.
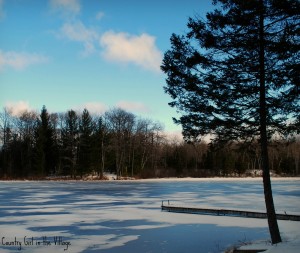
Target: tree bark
[272,220]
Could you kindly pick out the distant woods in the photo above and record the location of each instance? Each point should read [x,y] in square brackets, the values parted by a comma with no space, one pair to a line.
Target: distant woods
[76,144]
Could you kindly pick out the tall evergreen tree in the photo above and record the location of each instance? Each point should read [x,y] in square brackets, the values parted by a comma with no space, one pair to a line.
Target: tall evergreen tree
[45,157]
[70,136]
[235,76]
[85,134]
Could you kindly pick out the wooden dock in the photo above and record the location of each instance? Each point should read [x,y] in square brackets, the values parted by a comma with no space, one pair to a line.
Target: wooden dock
[248,250]
[225,212]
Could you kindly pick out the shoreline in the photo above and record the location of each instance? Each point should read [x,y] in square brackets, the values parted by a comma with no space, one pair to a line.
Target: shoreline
[170,179]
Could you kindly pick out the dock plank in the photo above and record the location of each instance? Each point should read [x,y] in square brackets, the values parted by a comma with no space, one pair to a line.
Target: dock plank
[248,250]
[226,212]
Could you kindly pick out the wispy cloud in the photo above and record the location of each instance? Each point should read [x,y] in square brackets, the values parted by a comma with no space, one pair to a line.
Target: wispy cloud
[133,106]
[93,107]
[80,33]
[20,60]
[174,136]
[18,107]
[100,108]
[126,48]
[119,47]
[100,15]
[66,6]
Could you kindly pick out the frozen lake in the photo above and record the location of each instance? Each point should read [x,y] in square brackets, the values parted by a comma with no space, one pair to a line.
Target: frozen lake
[126,217]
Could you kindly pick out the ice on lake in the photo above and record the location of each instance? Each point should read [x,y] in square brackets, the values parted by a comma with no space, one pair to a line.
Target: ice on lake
[126,216]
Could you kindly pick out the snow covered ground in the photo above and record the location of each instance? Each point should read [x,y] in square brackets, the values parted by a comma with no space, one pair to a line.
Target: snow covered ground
[125,216]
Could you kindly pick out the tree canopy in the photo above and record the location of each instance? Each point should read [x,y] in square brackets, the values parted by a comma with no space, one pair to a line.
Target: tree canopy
[213,70]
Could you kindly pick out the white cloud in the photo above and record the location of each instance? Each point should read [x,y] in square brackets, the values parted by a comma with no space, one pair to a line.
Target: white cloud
[66,6]
[140,50]
[93,107]
[100,108]
[117,47]
[80,33]
[174,136]
[133,106]
[99,15]
[20,60]
[17,108]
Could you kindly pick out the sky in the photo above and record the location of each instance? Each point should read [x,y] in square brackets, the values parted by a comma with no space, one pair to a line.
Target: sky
[94,54]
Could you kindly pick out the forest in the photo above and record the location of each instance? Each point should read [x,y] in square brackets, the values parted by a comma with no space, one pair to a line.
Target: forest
[75,145]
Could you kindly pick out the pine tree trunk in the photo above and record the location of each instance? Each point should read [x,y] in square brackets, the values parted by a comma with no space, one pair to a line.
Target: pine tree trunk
[272,220]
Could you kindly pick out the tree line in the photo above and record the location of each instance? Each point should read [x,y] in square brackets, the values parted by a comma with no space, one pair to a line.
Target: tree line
[76,144]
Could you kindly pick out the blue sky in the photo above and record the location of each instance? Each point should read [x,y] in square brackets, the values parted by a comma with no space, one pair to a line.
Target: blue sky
[94,54]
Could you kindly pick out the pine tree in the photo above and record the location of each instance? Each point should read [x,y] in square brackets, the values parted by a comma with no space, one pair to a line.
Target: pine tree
[84,152]
[235,76]
[70,136]
[45,158]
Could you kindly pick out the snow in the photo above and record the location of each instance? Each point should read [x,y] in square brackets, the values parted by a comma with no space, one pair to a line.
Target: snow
[290,247]
[291,240]
[125,216]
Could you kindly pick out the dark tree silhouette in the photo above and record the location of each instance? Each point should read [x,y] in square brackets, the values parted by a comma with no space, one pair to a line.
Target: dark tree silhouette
[45,156]
[121,124]
[69,137]
[235,76]
[100,143]
[85,142]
